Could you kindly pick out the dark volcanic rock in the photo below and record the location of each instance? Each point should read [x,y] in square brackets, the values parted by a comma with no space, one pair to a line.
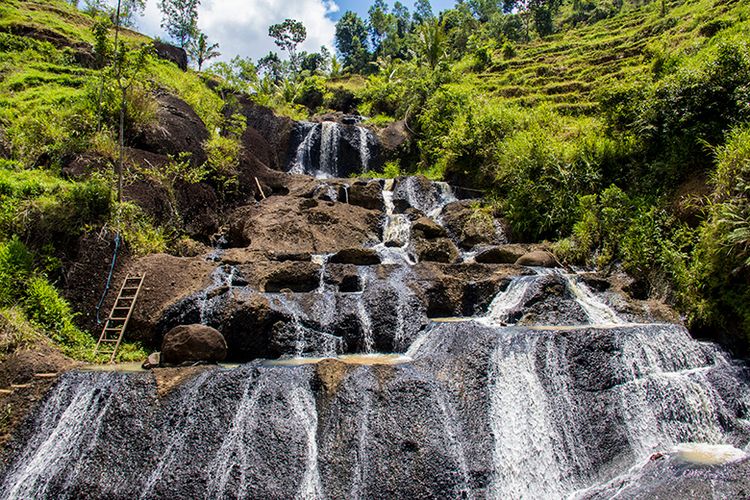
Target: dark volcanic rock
[538,258]
[472,227]
[199,208]
[667,476]
[294,276]
[291,225]
[171,53]
[435,250]
[193,343]
[367,195]
[427,228]
[356,256]
[505,254]
[177,129]
[275,130]
[248,324]
[435,427]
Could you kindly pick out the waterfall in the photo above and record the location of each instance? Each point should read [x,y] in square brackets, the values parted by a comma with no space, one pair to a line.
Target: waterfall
[396,231]
[329,146]
[509,301]
[303,158]
[527,442]
[364,148]
[70,423]
[429,199]
[597,311]
[319,153]
[250,446]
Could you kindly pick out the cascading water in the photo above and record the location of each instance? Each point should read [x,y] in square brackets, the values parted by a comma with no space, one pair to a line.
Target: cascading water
[329,147]
[596,310]
[509,301]
[319,152]
[396,231]
[474,409]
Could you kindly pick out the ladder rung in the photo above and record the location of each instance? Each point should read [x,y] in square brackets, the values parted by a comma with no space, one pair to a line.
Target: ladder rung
[118,319]
[109,340]
[121,307]
[111,329]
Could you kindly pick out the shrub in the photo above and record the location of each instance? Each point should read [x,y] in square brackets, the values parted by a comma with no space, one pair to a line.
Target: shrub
[223,161]
[138,231]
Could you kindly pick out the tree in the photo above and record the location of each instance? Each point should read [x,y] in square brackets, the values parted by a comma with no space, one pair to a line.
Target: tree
[422,11]
[351,41]
[483,9]
[403,19]
[201,51]
[287,36]
[272,66]
[128,10]
[541,12]
[317,62]
[180,19]
[380,21]
[431,44]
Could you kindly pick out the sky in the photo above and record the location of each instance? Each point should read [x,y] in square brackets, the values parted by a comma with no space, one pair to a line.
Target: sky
[241,26]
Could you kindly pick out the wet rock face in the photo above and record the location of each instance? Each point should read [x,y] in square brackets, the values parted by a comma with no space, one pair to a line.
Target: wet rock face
[193,343]
[333,148]
[479,412]
[667,476]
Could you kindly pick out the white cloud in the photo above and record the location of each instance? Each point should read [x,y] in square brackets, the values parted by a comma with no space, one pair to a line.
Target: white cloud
[241,26]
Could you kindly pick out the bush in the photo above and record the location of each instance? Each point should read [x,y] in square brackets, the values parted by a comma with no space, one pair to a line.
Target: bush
[223,161]
[20,284]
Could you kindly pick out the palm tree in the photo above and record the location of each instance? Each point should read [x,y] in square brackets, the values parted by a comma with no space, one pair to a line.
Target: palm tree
[431,44]
[201,51]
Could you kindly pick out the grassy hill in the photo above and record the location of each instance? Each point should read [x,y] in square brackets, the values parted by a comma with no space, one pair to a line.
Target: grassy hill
[566,70]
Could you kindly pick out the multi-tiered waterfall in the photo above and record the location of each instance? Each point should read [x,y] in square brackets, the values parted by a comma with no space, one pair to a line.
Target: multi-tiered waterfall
[405,370]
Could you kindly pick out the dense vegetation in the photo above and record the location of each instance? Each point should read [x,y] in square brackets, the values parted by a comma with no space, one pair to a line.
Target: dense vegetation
[616,129]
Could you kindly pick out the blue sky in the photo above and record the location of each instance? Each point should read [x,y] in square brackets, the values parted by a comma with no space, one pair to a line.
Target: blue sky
[241,26]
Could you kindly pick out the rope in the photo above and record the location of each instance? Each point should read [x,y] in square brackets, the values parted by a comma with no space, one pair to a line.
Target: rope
[109,278]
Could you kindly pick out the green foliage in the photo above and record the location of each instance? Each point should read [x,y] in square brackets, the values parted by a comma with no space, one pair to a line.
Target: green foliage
[200,50]
[15,330]
[223,160]
[351,42]
[313,93]
[391,170]
[21,285]
[52,313]
[138,231]
[180,19]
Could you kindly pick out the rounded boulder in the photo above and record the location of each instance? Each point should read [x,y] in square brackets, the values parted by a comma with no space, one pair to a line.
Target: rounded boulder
[193,343]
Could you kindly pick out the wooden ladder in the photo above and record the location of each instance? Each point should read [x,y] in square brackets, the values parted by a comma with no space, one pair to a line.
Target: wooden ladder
[114,327]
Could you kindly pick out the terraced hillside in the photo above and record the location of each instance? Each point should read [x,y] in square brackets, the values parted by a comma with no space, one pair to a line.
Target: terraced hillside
[566,69]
